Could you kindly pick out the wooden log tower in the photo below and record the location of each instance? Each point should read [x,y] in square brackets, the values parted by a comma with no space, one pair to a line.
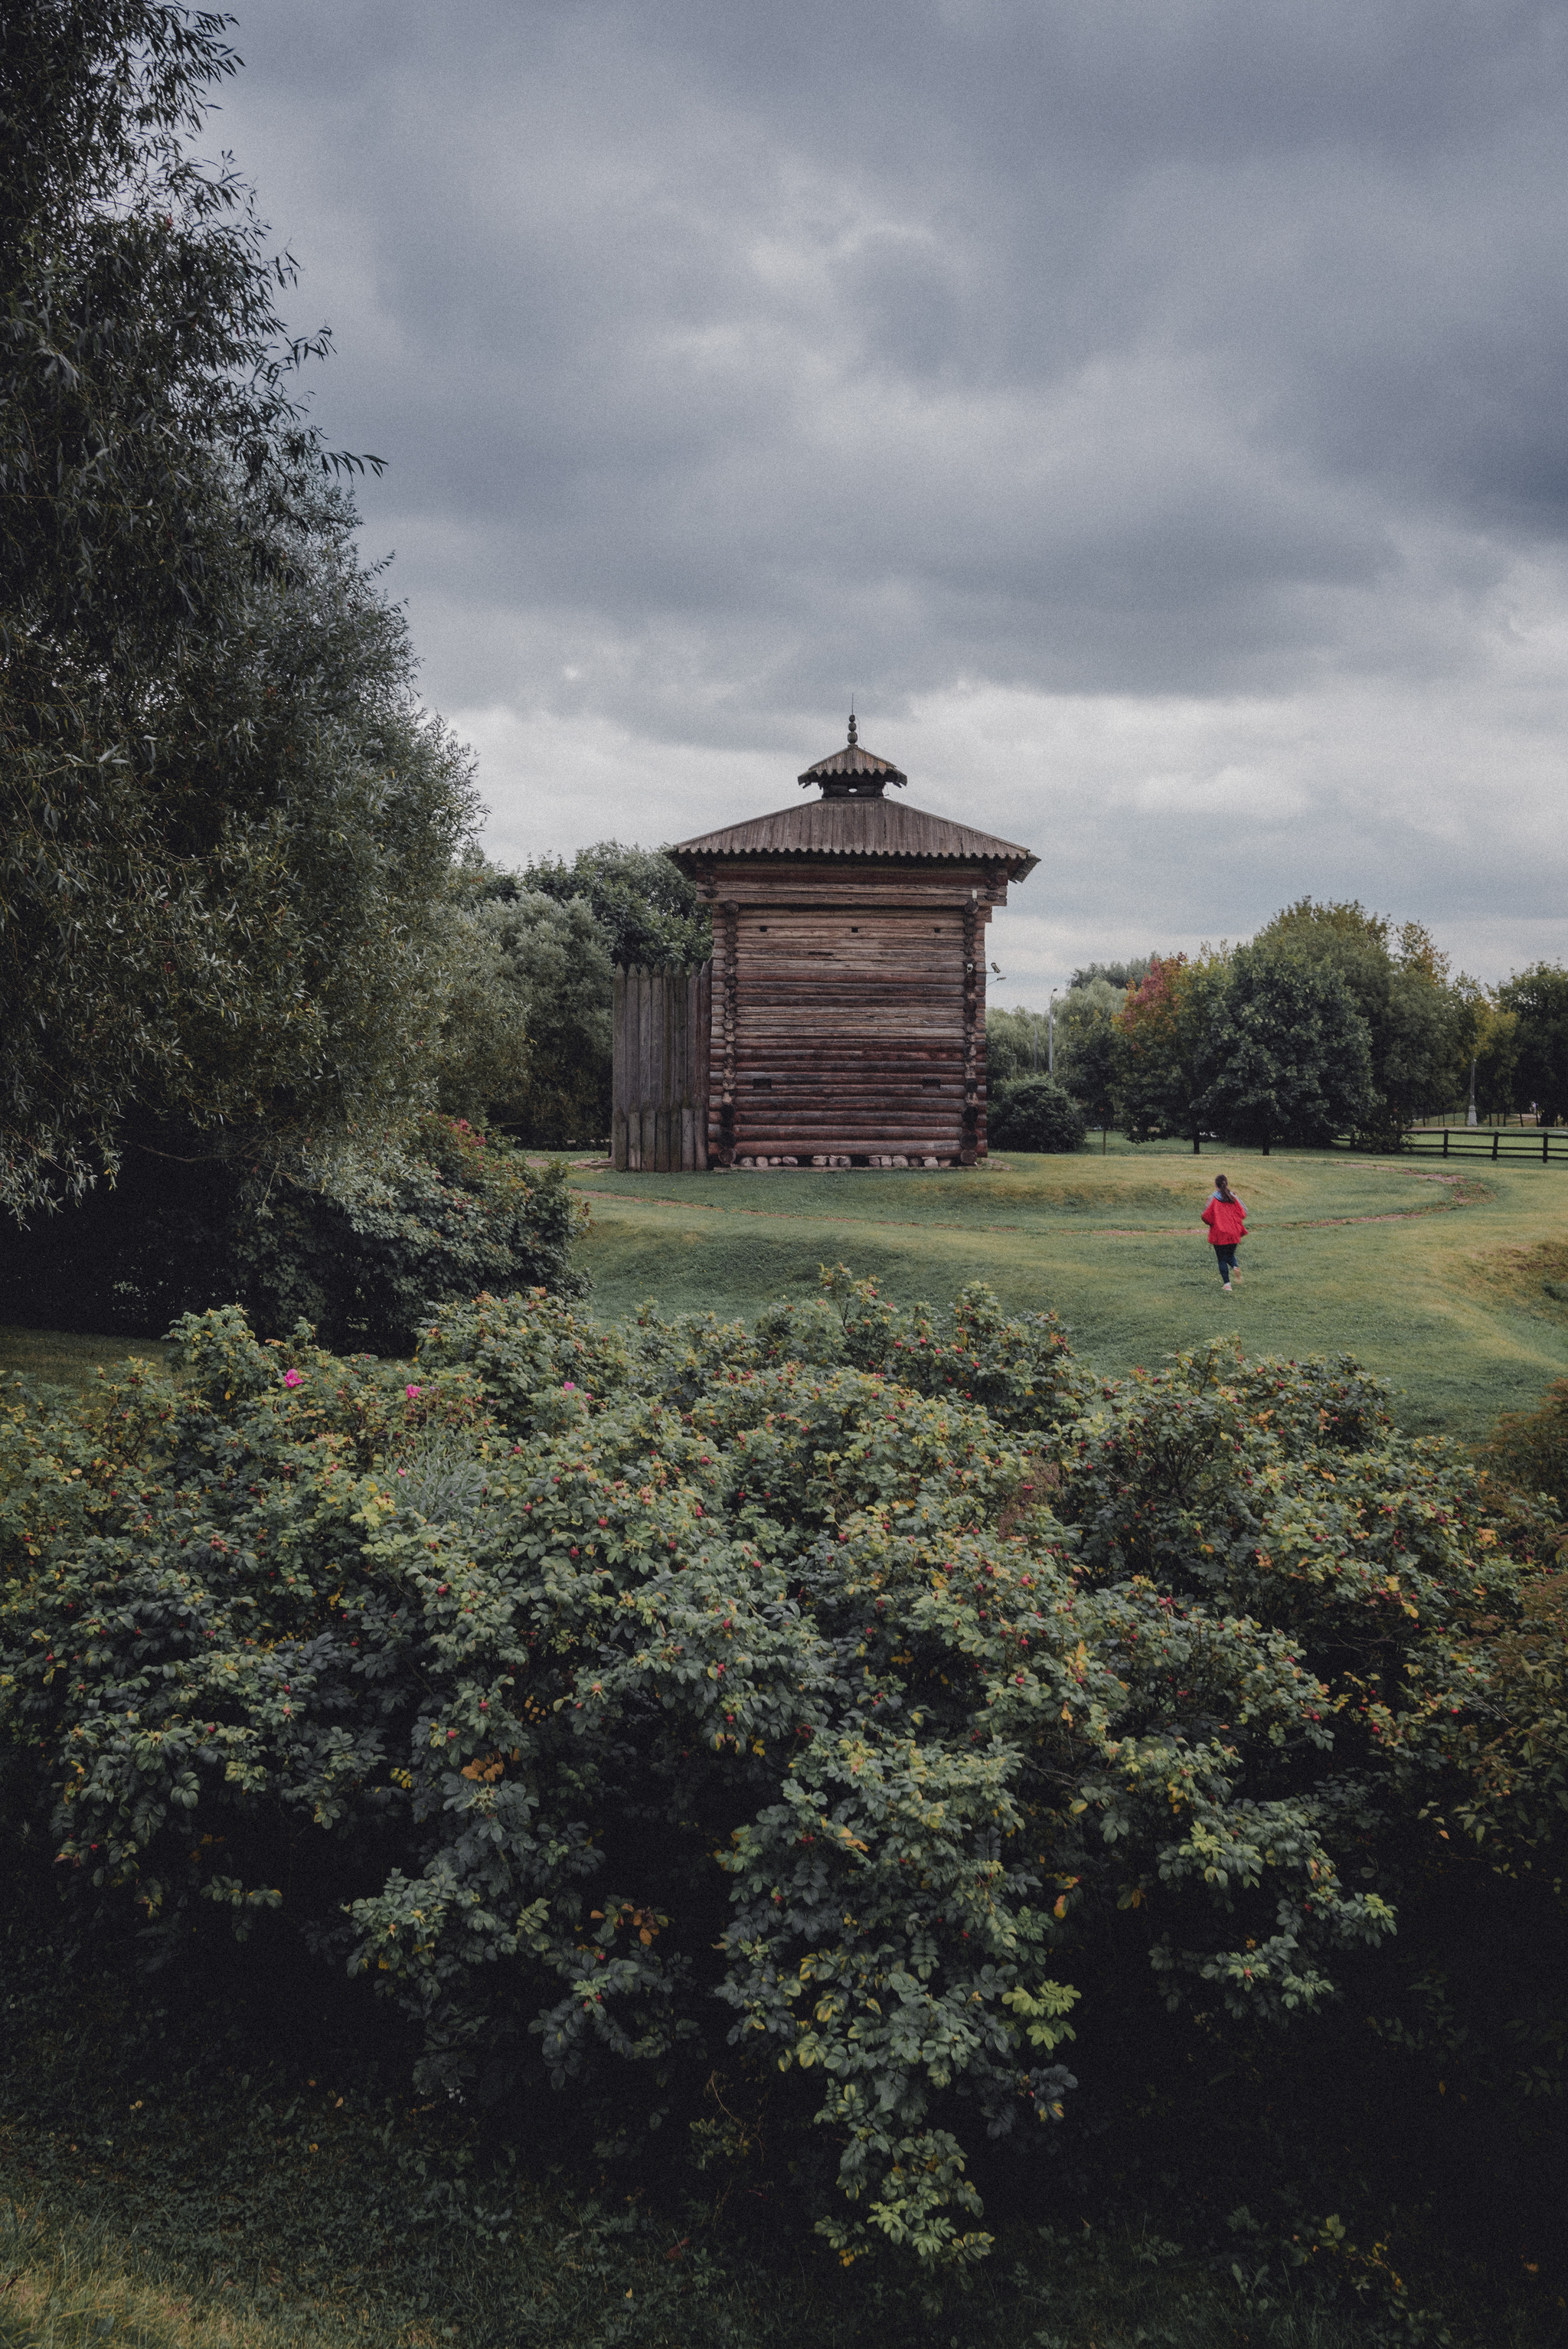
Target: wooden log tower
[848,1022]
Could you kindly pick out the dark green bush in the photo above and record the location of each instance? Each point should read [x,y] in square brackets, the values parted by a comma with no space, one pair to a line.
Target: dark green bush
[355,1242]
[1035,1114]
[1528,1449]
[845,1714]
[361,1251]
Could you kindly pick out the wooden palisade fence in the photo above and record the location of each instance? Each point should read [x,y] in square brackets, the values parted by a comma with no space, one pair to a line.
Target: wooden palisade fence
[662,1019]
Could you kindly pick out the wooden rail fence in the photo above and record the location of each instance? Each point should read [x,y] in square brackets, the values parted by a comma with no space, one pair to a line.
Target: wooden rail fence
[1548,1146]
[662,1019]
[1504,1145]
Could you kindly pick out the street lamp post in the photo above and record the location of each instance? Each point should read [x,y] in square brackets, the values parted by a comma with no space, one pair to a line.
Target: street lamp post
[1051,1034]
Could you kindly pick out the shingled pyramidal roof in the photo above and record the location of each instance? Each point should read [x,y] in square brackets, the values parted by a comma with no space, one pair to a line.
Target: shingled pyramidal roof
[853,818]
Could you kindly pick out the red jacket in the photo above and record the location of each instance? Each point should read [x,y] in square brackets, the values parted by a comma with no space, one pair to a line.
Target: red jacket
[1227,1222]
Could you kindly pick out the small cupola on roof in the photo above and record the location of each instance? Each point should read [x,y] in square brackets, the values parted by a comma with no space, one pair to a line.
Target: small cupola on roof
[853,773]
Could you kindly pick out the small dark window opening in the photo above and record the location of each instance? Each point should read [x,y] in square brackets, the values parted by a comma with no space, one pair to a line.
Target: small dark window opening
[936,929]
[854,929]
[931,1085]
[761,1084]
[763,928]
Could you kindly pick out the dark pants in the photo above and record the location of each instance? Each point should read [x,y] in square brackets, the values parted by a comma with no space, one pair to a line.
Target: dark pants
[1225,1258]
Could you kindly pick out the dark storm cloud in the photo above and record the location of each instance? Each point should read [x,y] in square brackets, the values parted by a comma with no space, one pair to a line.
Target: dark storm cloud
[730,357]
[1106,340]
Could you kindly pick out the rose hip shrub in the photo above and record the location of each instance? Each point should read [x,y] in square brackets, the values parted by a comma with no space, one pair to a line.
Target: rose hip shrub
[825,1704]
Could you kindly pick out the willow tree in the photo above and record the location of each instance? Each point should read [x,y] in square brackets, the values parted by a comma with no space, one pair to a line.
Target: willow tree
[225,820]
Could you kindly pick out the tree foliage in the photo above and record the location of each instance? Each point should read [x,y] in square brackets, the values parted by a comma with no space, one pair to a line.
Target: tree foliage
[356,1236]
[844,1712]
[1167,1028]
[526,1042]
[1035,1114]
[1328,1023]
[363,1242]
[226,822]
[1491,1033]
[1419,1026]
[1286,1053]
[146,364]
[647,909]
[1538,999]
[1095,1076]
[1015,1045]
[1118,976]
[1018,1042]
[525,1034]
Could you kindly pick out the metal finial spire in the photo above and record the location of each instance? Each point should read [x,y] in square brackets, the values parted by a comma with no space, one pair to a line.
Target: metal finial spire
[854,738]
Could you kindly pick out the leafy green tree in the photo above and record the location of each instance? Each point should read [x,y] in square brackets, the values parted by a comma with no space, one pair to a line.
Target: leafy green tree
[1119,976]
[1015,1045]
[1537,999]
[330,826]
[1183,1038]
[648,908]
[307,814]
[1494,1040]
[355,1235]
[1286,1053]
[145,368]
[1034,1113]
[547,940]
[1088,1046]
[1097,1074]
[479,1016]
[224,818]
[1416,1022]
[529,1050]
[1018,1042]
[363,1243]
[1168,1026]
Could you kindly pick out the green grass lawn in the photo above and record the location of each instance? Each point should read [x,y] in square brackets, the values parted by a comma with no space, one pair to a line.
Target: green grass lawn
[1441,1282]
[60,1357]
[1453,1284]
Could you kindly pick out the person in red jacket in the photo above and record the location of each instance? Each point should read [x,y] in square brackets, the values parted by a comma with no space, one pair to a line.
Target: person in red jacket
[1227,1221]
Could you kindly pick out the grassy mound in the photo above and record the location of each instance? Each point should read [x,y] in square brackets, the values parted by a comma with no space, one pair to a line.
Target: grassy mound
[1405,1266]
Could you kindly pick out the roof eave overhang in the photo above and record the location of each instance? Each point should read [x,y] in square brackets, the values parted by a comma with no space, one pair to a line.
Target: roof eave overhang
[1018,863]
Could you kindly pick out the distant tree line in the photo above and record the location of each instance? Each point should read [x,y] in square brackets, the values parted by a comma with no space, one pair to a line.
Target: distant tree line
[1331,1022]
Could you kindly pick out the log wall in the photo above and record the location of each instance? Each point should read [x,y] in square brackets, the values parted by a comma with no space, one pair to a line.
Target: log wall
[663,1020]
[849,1012]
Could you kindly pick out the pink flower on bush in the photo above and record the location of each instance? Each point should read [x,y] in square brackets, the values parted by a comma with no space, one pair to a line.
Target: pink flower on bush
[570,1388]
[294,1378]
[412,1391]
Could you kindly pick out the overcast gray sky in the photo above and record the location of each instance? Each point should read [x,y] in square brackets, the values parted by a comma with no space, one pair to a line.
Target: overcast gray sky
[1152,411]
